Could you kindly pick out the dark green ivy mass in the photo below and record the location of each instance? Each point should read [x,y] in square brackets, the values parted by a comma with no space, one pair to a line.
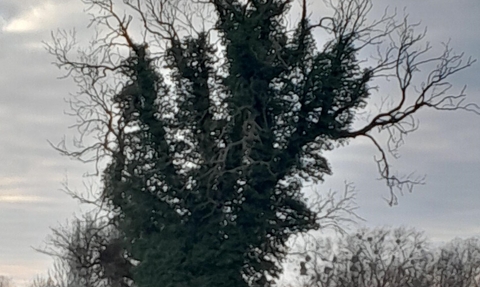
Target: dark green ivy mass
[209,197]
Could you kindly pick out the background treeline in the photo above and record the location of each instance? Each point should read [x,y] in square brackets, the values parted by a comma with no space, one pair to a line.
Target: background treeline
[88,255]
[383,257]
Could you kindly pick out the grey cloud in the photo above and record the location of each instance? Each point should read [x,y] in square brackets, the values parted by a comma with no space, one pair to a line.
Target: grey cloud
[9,9]
[31,112]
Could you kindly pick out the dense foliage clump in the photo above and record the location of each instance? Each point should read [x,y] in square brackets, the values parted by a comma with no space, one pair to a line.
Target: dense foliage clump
[216,204]
[206,161]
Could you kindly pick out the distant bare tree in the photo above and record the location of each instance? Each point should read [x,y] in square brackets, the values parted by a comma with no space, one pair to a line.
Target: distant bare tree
[367,258]
[6,281]
[385,257]
[457,264]
[41,281]
[89,254]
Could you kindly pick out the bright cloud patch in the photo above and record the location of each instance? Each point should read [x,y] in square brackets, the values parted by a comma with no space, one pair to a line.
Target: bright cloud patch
[33,20]
[20,199]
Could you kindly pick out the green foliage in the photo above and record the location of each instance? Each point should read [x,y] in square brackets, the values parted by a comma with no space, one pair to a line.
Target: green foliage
[206,166]
[214,204]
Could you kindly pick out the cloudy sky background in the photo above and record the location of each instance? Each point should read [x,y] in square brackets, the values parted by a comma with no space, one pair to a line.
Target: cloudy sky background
[446,147]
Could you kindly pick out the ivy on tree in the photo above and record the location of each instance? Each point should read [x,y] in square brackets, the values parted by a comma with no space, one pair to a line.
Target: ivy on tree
[208,136]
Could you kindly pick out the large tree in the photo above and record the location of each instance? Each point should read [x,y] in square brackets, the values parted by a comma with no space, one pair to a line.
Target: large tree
[209,116]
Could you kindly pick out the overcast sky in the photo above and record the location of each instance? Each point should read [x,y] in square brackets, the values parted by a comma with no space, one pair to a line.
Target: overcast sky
[32,111]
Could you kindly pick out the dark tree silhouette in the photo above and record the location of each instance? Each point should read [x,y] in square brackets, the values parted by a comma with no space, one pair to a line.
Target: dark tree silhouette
[209,116]
[88,252]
